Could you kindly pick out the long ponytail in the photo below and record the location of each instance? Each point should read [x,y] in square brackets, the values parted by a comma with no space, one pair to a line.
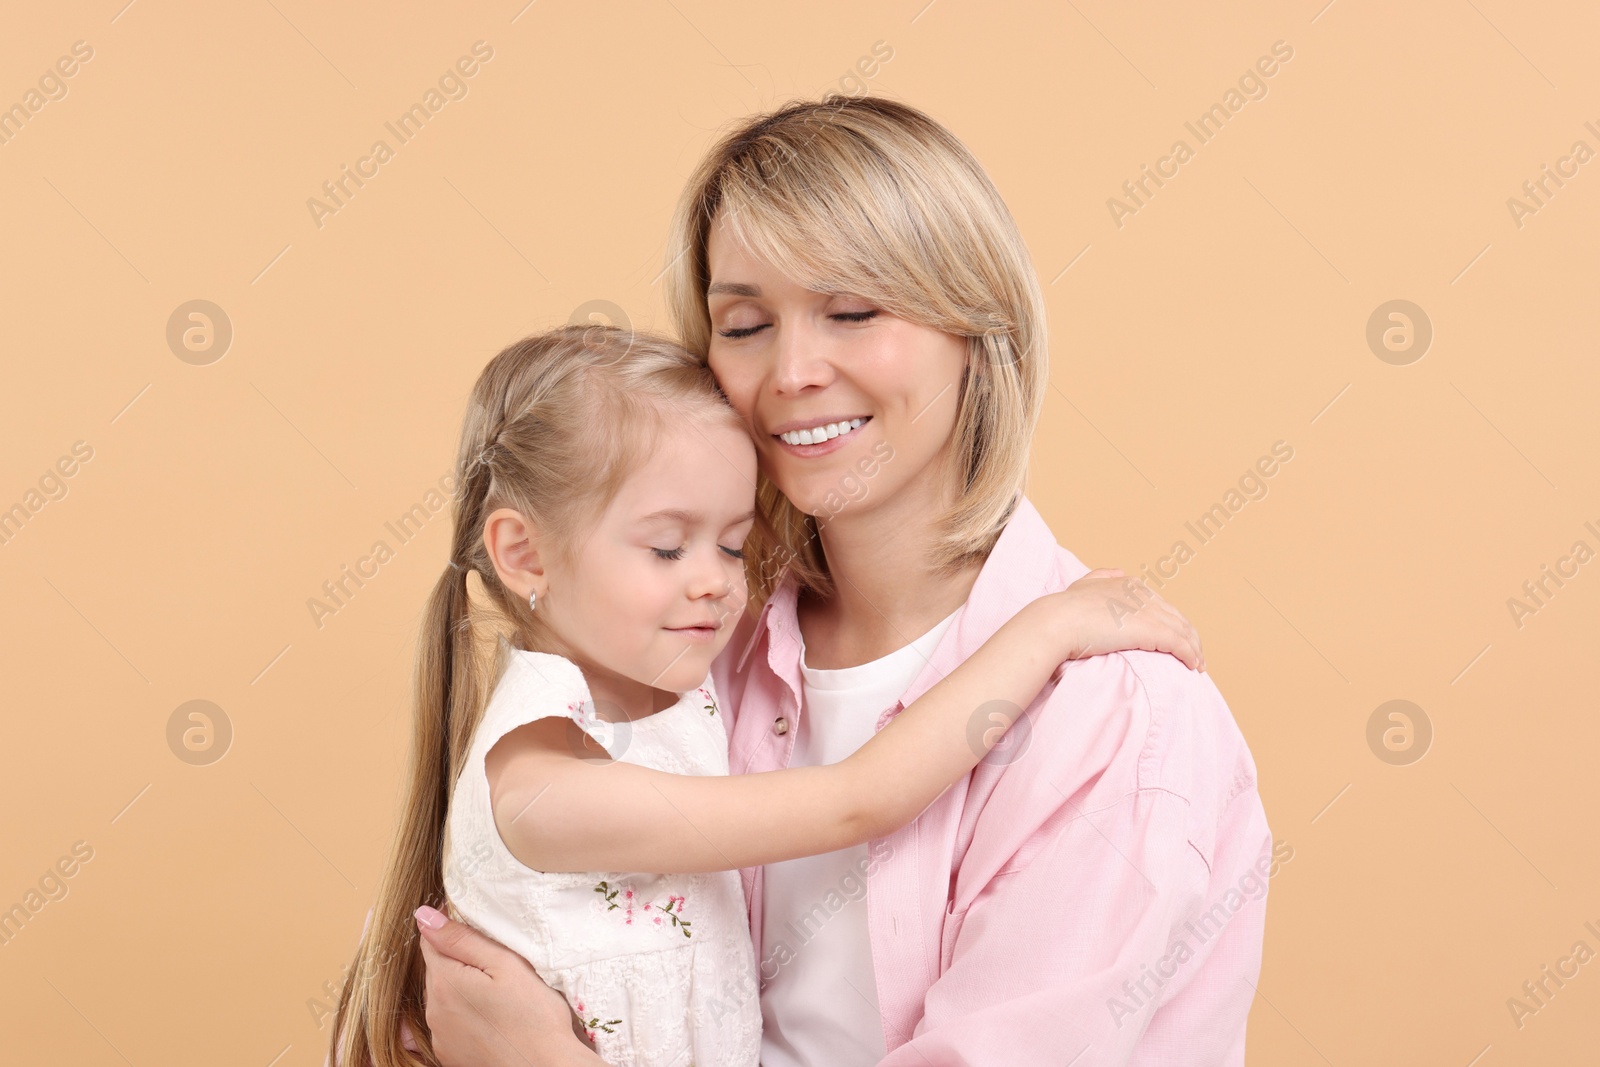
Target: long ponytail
[383,988]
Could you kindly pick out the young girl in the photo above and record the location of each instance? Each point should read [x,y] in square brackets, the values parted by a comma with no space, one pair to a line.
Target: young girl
[604,492]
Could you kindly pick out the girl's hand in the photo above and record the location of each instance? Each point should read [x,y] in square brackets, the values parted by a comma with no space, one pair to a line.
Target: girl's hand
[1106,611]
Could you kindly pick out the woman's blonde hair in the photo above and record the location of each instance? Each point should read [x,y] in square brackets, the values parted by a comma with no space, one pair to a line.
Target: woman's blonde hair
[870,197]
[555,425]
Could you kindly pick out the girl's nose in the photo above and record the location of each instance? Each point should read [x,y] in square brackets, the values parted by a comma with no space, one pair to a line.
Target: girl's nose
[710,578]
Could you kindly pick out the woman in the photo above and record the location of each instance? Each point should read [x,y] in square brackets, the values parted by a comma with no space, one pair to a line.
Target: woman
[1095,892]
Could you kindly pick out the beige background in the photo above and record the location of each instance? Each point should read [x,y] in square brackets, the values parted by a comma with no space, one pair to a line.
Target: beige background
[1228,313]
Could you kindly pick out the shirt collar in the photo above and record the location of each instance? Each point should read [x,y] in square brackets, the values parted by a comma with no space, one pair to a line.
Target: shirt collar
[782,600]
[1024,564]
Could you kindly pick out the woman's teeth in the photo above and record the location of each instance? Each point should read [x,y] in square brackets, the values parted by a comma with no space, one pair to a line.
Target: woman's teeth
[818,434]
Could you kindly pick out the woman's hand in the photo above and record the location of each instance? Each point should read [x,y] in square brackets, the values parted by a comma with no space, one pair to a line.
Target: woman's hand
[486,1005]
[1106,611]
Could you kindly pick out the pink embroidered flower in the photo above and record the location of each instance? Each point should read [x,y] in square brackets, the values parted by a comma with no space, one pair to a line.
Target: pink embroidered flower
[630,903]
[673,909]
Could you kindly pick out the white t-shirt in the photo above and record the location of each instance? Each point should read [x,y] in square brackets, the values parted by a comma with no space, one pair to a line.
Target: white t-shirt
[826,996]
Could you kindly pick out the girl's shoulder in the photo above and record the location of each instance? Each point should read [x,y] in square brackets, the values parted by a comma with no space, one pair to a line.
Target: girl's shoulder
[534,672]
[540,685]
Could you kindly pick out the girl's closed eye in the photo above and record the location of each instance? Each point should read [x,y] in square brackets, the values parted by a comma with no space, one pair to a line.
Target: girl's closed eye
[677,553]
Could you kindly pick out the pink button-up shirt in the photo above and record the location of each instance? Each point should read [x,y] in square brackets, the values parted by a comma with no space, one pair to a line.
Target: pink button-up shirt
[1093,893]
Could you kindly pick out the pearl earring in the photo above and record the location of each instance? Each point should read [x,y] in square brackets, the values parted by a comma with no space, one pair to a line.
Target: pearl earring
[532,601]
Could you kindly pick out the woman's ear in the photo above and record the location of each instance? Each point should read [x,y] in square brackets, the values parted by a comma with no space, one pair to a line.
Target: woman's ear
[977,356]
[514,548]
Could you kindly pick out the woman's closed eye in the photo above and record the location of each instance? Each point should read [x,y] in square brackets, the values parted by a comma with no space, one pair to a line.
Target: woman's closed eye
[736,332]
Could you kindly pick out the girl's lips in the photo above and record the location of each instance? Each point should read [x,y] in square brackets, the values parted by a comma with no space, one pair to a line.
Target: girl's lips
[694,633]
[832,444]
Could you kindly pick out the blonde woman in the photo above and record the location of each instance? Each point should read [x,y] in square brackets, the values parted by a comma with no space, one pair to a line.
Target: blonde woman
[1094,894]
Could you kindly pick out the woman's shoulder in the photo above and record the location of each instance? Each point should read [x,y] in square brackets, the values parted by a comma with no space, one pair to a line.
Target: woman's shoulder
[1143,719]
[1138,722]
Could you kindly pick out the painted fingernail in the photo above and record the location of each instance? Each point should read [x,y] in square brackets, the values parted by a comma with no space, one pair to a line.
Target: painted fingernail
[430,918]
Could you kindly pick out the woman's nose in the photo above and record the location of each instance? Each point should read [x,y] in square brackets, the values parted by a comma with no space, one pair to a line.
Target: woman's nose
[800,358]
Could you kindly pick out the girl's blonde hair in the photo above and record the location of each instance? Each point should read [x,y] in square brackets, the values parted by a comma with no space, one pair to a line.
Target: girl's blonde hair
[555,425]
[866,196]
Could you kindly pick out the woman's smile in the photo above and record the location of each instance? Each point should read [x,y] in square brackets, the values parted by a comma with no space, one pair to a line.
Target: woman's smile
[818,437]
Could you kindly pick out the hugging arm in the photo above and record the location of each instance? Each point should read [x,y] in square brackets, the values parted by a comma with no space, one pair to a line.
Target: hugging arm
[557,811]
[486,1006]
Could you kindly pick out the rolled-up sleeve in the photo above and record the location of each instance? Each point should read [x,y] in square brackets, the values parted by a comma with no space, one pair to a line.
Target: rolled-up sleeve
[1109,890]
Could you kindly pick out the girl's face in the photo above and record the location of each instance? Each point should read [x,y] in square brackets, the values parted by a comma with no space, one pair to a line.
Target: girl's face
[847,404]
[658,585]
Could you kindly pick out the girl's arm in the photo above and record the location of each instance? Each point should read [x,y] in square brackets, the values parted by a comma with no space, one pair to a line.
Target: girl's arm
[557,811]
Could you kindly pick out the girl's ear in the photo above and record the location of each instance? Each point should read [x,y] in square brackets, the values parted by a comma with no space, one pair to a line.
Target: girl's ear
[513,544]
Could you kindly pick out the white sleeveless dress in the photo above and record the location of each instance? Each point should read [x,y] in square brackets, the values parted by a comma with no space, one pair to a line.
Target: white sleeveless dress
[659,968]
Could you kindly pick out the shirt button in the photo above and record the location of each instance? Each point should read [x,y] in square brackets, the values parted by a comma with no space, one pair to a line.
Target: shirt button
[780,726]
